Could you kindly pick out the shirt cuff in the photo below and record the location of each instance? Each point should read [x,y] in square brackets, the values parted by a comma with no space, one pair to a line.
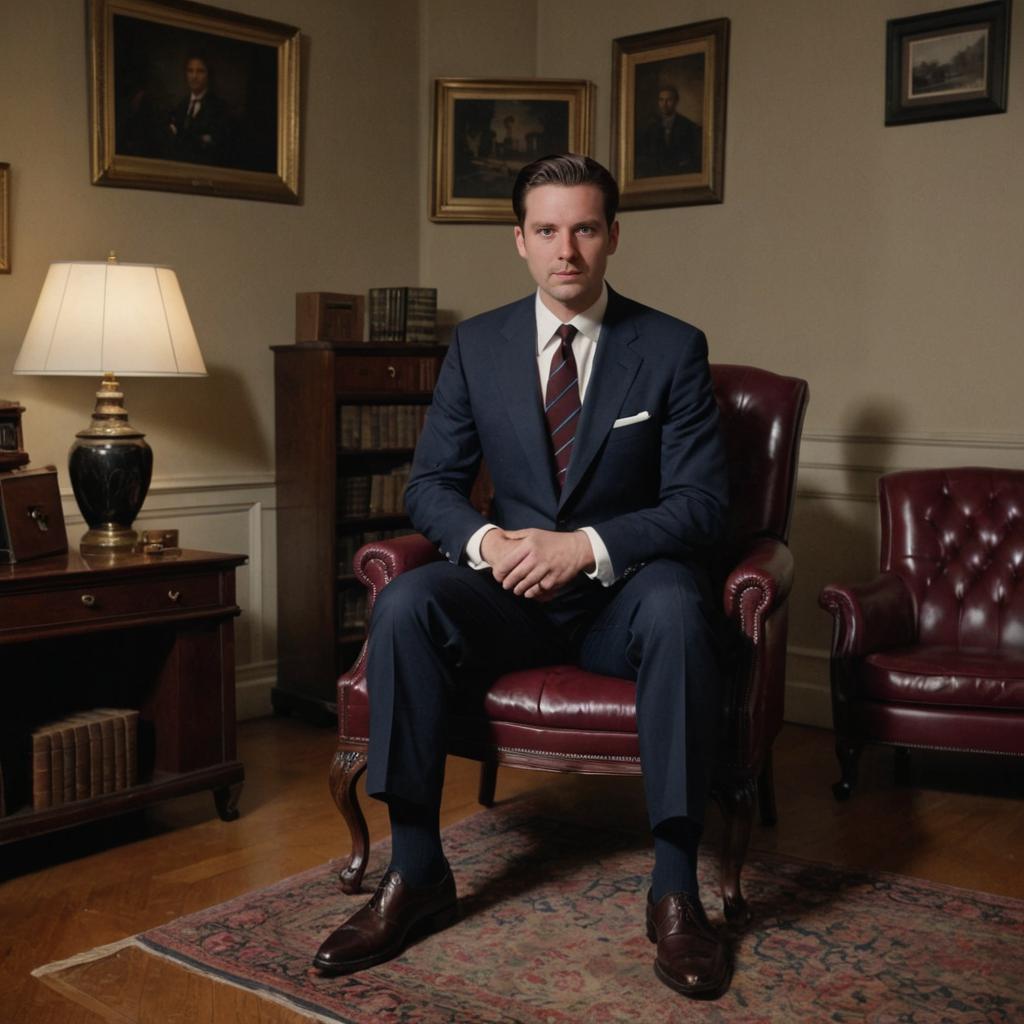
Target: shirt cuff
[473,557]
[603,571]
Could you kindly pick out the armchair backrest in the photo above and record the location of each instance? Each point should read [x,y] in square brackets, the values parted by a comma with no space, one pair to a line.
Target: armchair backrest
[956,538]
[762,416]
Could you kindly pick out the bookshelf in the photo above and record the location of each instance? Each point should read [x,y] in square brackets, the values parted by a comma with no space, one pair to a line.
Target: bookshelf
[346,416]
[151,636]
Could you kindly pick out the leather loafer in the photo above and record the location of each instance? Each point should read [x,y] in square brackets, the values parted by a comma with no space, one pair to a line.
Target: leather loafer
[381,929]
[692,958]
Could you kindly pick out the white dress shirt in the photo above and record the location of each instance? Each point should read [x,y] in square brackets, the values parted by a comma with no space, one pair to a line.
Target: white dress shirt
[584,345]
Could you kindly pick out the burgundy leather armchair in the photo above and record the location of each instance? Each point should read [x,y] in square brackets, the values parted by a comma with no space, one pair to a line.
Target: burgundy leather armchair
[563,719]
[930,653]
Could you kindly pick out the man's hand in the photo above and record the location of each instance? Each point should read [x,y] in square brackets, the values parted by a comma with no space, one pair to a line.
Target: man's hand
[536,563]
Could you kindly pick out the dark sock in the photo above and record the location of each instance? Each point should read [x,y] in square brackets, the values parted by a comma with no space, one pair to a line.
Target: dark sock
[416,852]
[675,858]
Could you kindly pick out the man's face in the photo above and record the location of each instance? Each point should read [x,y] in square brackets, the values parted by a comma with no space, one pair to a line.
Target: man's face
[667,102]
[566,244]
[196,75]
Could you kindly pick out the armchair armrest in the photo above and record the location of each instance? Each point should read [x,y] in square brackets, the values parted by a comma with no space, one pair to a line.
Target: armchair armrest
[758,584]
[869,616]
[376,564]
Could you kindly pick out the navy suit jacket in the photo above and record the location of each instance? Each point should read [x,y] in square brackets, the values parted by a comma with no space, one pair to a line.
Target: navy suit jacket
[654,488]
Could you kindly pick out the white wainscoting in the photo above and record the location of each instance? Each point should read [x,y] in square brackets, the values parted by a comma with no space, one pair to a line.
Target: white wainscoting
[835,532]
[232,514]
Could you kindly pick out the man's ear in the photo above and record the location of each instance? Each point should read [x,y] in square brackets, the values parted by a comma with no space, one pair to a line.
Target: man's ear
[517,231]
[613,237]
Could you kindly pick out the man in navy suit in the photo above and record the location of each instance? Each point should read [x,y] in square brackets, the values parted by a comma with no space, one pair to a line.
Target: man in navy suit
[596,418]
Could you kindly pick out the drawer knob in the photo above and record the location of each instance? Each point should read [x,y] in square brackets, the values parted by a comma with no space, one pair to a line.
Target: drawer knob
[392,372]
[88,600]
[174,594]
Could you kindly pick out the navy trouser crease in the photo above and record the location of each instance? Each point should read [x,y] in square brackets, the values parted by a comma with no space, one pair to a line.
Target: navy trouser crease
[442,629]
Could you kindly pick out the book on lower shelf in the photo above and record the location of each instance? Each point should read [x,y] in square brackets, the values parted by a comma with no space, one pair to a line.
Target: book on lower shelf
[87,754]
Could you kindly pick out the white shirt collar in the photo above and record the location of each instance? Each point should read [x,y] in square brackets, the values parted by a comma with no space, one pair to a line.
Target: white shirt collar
[587,323]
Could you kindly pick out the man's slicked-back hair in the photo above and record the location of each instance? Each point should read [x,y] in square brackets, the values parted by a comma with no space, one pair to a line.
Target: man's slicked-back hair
[565,169]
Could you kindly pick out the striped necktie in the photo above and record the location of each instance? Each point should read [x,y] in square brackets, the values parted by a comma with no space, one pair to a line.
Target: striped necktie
[562,402]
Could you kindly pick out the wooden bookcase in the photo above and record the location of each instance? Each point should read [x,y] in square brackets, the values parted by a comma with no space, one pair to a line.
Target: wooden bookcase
[318,387]
[151,633]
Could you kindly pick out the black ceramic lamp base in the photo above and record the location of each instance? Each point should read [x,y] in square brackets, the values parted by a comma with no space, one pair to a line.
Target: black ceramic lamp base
[110,466]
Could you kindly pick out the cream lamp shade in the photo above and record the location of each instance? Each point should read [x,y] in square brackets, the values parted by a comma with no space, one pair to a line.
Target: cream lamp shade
[107,317]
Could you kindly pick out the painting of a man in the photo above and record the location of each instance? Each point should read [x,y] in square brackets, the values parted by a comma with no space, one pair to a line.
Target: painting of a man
[199,129]
[667,141]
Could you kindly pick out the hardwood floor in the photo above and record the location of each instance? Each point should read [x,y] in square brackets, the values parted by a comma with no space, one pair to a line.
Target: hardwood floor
[958,820]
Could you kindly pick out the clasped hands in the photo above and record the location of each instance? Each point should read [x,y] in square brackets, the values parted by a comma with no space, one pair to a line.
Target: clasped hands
[536,563]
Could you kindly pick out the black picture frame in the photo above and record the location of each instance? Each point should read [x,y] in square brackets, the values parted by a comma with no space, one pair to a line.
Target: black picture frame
[947,64]
[241,139]
[684,69]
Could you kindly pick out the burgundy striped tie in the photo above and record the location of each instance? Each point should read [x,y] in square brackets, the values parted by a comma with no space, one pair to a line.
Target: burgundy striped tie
[562,402]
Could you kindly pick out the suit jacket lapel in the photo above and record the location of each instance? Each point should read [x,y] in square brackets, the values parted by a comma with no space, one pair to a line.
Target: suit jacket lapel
[516,369]
[615,366]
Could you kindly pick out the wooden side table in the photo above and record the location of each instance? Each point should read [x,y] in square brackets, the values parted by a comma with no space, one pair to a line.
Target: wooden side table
[152,633]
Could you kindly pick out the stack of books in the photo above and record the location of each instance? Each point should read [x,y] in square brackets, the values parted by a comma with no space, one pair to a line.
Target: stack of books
[378,495]
[403,314]
[87,754]
[369,427]
[352,611]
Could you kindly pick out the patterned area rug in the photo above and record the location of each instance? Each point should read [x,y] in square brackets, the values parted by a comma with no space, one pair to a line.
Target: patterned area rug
[552,933]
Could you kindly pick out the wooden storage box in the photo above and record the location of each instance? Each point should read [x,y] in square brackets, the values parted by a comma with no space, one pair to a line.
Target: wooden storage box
[328,316]
[31,517]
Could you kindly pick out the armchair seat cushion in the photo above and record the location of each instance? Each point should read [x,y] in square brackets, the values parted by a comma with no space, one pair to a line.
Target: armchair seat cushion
[946,676]
[563,697]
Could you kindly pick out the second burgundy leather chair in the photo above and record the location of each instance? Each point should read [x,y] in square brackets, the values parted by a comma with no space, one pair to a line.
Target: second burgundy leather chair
[930,653]
[563,719]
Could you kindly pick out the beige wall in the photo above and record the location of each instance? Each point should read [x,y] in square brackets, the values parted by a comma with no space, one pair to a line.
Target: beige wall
[882,264]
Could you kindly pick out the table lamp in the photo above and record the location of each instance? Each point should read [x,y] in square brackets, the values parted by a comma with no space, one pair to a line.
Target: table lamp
[110,318]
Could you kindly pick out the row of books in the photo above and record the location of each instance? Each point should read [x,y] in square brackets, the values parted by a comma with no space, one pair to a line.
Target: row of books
[369,427]
[352,610]
[84,755]
[349,543]
[379,494]
[403,314]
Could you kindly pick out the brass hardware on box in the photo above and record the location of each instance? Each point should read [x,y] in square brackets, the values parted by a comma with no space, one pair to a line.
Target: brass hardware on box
[88,600]
[174,594]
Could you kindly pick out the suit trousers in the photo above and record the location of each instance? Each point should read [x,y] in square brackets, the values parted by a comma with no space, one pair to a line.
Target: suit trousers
[442,632]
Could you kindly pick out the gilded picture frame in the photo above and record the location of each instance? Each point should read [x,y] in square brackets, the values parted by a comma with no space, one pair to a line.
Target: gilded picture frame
[947,64]
[485,130]
[5,218]
[190,98]
[668,115]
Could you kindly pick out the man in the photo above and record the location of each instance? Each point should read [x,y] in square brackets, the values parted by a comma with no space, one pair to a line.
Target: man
[199,125]
[671,143]
[602,519]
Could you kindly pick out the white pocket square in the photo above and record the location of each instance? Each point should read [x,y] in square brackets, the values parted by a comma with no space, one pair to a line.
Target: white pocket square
[627,420]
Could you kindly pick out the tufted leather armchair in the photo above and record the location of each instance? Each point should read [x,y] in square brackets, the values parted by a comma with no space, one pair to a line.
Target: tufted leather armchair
[563,719]
[930,653]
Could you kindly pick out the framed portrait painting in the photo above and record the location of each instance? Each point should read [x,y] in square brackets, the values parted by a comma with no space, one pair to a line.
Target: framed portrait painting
[486,130]
[952,63]
[5,205]
[668,114]
[190,98]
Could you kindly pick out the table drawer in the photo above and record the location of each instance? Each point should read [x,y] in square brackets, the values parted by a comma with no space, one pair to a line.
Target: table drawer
[95,601]
[386,373]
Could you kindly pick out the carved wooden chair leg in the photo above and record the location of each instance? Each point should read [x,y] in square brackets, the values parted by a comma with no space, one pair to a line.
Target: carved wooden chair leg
[488,782]
[346,768]
[848,752]
[766,792]
[736,798]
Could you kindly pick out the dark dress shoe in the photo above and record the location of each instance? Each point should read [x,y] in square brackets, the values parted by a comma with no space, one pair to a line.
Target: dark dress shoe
[380,930]
[692,958]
